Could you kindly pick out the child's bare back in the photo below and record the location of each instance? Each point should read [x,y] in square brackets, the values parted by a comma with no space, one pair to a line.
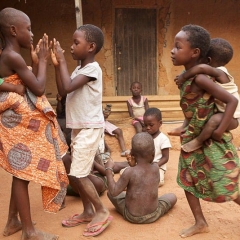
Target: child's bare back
[142,188]
[140,203]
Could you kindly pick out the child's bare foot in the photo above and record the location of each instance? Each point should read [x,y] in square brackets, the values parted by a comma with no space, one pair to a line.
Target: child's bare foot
[63,205]
[39,235]
[12,227]
[191,146]
[176,131]
[195,229]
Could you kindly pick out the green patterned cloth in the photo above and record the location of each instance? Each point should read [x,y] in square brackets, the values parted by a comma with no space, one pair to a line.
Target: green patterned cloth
[211,172]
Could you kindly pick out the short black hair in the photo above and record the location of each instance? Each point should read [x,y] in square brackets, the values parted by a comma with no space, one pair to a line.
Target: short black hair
[153,112]
[9,16]
[142,143]
[136,82]
[220,51]
[93,34]
[198,37]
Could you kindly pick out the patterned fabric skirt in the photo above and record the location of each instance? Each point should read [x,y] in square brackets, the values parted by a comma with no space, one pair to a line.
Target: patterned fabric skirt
[32,144]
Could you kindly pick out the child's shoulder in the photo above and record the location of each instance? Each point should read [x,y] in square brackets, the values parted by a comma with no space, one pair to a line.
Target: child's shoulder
[10,54]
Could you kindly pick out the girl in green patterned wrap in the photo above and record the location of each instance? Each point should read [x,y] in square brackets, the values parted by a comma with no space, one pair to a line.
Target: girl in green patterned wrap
[211,172]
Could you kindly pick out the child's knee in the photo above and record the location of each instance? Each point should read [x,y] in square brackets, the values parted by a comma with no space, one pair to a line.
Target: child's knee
[215,120]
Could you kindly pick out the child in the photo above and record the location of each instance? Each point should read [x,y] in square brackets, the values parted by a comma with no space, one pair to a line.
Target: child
[96,176]
[114,130]
[152,121]
[31,143]
[204,173]
[140,203]
[137,105]
[219,55]
[61,117]
[84,87]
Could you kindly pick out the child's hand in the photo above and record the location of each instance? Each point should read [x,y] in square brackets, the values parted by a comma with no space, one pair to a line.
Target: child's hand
[20,89]
[44,48]
[179,80]
[109,164]
[56,53]
[131,159]
[217,135]
[58,97]
[34,53]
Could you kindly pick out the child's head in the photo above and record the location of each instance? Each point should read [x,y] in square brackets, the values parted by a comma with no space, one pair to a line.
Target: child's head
[191,45]
[220,52]
[107,111]
[136,88]
[143,145]
[87,39]
[15,24]
[152,120]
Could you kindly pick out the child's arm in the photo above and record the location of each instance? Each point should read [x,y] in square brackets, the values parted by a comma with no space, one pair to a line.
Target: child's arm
[57,72]
[98,167]
[35,60]
[17,64]
[116,188]
[59,107]
[8,87]
[146,106]
[130,111]
[107,148]
[64,83]
[218,74]
[164,158]
[202,82]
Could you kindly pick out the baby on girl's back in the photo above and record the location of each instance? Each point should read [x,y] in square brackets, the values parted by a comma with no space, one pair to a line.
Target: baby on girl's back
[219,54]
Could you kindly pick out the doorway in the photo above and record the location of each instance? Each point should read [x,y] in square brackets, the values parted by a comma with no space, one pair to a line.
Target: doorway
[135,50]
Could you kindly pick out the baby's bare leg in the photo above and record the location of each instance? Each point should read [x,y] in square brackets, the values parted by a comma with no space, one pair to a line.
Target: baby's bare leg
[200,225]
[206,133]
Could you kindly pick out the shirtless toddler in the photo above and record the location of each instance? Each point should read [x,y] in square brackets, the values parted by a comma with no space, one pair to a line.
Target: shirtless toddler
[140,203]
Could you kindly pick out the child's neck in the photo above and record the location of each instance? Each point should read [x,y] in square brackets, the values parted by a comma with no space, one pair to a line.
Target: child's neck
[86,61]
[136,97]
[191,64]
[156,134]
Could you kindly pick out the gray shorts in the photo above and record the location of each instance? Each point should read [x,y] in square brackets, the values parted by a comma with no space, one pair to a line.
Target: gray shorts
[119,203]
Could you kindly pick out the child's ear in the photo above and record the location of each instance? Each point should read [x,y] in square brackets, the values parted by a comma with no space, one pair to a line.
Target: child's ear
[13,30]
[92,47]
[209,60]
[196,52]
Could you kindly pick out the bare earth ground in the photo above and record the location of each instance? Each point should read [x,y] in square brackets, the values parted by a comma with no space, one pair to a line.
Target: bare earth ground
[222,218]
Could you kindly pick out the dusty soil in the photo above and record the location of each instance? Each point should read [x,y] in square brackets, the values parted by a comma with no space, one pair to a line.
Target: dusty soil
[222,218]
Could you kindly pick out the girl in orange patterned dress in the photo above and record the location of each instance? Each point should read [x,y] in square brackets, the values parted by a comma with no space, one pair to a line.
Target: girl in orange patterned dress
[31,143]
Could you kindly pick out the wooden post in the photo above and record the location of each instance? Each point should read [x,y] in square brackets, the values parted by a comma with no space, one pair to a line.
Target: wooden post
[78,10]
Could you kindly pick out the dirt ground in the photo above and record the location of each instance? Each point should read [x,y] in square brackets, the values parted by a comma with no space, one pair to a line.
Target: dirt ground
[222,218]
